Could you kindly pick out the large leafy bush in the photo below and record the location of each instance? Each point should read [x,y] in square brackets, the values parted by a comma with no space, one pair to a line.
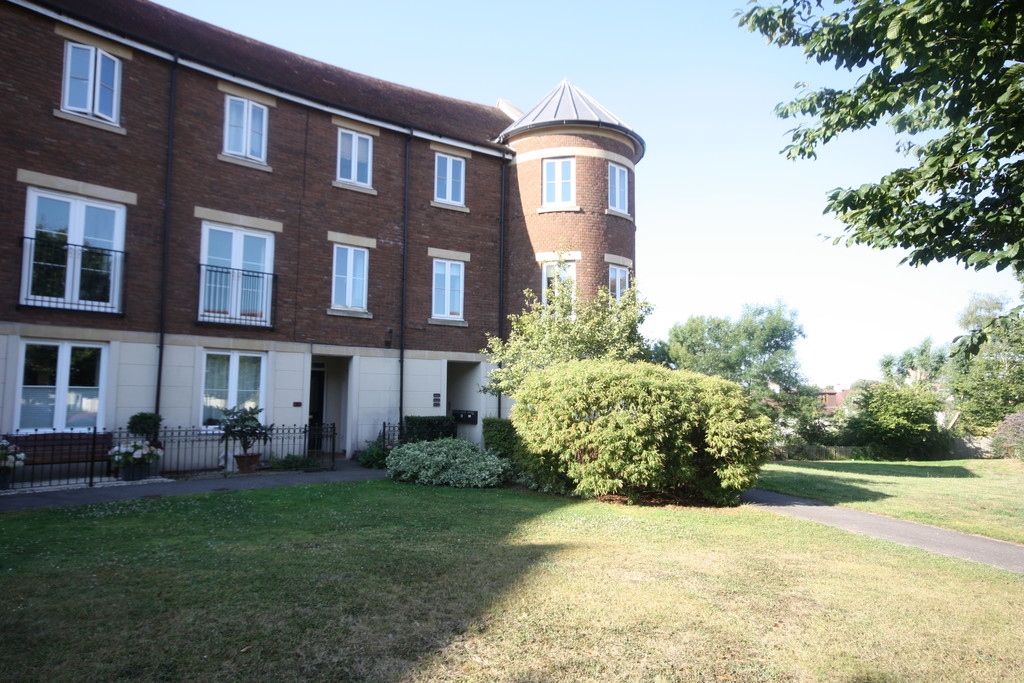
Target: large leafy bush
[896,422]
[1008,437]
[636,428]
[446,462]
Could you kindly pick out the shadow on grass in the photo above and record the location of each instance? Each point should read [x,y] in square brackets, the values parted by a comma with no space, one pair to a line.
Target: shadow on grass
[828,490]
[887,469]
[325,582]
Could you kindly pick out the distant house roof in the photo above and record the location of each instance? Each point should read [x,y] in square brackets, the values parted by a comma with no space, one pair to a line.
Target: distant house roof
[566,105]
[243,57]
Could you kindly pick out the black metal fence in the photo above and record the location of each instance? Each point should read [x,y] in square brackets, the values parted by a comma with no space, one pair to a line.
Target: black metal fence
[83,457]
[391,435]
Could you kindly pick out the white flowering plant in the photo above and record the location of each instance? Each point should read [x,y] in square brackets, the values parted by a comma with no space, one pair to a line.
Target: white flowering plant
[10,456]
[134,453]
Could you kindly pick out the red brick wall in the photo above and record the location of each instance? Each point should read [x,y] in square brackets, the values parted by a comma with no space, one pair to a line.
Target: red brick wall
[32,138]
[301,150]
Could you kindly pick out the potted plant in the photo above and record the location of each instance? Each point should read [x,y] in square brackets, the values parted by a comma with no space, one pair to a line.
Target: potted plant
[146,426]
[10,458]
[134,460]
[243,425]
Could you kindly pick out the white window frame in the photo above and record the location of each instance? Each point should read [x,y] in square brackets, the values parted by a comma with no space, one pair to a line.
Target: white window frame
[348,254]
[74,262]
[447,188]
[62,388]
[556,272]
[353,177]
[554,177]
[94,84]
[615,274]
[618,188]
[246,125]
[232,389]
[234,313]
[451,301]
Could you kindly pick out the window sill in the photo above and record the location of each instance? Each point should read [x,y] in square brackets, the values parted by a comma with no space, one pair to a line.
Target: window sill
[245,162]
[613,212]
[562,208]
[89,121]
[448,322]
[354,187]
[350,313]
[450,207]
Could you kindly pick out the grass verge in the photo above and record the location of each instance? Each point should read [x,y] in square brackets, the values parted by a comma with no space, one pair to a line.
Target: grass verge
[975,496]
[380,581]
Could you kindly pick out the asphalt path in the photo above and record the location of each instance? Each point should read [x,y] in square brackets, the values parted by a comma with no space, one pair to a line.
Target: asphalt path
[1000,554]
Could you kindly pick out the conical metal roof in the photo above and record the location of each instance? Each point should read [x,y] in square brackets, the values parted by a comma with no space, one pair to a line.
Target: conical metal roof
[568,105]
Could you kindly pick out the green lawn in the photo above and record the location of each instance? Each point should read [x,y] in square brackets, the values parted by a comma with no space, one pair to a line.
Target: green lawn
[976,496]
[381,581]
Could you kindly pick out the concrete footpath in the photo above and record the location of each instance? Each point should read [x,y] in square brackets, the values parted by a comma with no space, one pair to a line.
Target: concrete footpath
[1000,554]
[26,499]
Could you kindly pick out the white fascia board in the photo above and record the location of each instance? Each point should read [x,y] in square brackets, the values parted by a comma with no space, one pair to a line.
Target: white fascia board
[256,86]
[91,29]
[461,145]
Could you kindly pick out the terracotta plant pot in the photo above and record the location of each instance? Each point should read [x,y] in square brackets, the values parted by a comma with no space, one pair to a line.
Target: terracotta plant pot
[247,463]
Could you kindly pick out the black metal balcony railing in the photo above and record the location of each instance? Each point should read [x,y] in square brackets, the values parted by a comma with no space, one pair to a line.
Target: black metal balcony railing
[235,296]
[62,275]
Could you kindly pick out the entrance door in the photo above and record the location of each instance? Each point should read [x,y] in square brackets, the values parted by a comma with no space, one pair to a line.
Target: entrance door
[317,386]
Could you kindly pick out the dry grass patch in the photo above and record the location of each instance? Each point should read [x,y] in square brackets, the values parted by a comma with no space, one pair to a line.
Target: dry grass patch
[380,581]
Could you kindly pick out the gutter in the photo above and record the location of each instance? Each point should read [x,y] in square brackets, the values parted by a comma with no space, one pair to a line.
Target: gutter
[165,237]
[405,287]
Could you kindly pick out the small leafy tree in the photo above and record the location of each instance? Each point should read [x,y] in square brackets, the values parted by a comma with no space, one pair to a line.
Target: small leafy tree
[611,426]
[243,425]
[566,328]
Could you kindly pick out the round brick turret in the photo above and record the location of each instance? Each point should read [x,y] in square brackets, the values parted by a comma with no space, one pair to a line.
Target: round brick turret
[571,193]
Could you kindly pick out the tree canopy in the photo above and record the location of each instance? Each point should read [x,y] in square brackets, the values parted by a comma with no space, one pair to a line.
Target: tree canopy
[564,328]
[917,365]
[947,74]
[756,351]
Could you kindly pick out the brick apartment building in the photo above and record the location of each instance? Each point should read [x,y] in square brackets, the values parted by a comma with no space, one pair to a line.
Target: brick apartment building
[193,220]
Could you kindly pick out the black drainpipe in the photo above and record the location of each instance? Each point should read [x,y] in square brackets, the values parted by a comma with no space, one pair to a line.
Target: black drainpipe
[501,261]
[166,236]
[405,274]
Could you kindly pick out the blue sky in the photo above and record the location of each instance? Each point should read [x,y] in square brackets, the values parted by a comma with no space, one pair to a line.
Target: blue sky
[723,219]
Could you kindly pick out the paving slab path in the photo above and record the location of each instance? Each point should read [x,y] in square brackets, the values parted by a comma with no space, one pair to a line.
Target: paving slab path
[989,551]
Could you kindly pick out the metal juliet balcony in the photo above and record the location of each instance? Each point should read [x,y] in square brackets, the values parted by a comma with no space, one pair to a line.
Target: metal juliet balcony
[61,275]
[235,296]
